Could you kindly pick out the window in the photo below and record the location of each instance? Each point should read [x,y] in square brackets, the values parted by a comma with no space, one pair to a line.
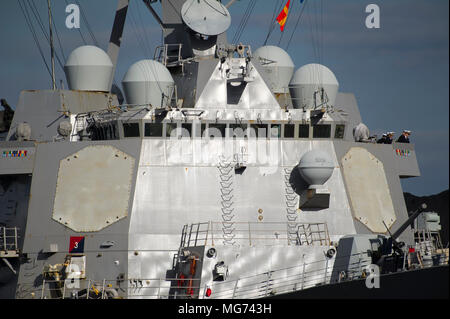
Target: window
[303,131]
[170,128]
[197,129]
[339,131]
[153,129]
[186,130]
[289,130]
[237,130]
[216,130]
[275,130]
[203,130]
[131,130]
[322,131]
[258,130]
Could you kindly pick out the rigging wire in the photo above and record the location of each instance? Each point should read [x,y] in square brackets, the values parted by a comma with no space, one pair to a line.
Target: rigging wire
[37,16]
[273,23]
[244,21]
[314,21]
[287,19]
[241,22]
[33,33]
[79,29]
[145,34]
[83,16]
[296,24]
[59,40]
[140,41]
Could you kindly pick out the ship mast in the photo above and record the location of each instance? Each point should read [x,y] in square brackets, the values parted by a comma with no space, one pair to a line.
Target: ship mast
[52,50]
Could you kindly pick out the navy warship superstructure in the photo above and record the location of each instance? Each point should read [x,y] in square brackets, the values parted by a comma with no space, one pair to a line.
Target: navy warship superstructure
[227,174]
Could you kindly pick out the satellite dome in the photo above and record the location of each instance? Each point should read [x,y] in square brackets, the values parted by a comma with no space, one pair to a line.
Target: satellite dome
[89,68]
[316,167]
[309,79]
[278,66]
[148,82]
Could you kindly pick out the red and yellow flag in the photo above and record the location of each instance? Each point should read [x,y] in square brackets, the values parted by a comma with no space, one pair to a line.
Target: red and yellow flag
[283,16]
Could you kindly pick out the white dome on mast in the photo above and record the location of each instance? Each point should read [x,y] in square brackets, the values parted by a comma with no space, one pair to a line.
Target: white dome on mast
[278,66]
[307,82]
[89,68]
[148,82]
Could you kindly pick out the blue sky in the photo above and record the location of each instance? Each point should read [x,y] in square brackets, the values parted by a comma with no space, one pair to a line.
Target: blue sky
[399,73]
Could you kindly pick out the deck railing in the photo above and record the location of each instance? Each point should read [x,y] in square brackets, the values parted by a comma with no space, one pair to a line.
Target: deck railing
[302,276]
[251,234]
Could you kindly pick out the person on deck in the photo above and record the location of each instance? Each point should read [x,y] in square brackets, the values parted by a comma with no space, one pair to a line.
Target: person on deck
[389,138]
[404,138]
[382,140]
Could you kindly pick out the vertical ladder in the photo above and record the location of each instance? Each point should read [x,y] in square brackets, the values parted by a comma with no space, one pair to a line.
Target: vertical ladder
[291,208]
[225,168]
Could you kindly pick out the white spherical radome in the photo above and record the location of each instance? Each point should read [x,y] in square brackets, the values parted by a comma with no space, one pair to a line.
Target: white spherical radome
[316,167]
[89,68]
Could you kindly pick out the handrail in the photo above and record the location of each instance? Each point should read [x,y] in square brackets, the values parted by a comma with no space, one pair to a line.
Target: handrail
[253,233]
[276,281]
[9,239]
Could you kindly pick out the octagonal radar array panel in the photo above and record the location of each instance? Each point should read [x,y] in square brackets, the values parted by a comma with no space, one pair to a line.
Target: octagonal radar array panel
[93,188]
[207,17]
[369,192]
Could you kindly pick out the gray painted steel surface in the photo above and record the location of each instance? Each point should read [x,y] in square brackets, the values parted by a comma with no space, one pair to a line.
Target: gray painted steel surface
[242,196]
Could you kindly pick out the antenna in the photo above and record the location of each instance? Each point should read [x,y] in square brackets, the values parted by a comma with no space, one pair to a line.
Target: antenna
[206,17]
[52,50]
[116,35]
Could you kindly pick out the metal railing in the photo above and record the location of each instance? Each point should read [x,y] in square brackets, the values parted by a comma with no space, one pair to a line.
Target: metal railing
[273,282]
[302,276]
[156,288]
[162,54]
[8,242]
[254,233]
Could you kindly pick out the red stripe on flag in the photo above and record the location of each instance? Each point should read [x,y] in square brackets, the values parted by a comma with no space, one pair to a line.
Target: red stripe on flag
[283,15]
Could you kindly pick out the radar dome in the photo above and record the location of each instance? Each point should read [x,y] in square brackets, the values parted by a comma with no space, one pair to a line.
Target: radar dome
[277,65]
[316,167]
[307,82]
[148,82]
[89,68]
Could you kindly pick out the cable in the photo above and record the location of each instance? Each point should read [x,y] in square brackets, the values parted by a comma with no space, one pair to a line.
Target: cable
[59,40]
[296,24]
[79,29]
[145,34]
[271,22]
[140,41]
[83,16]
[244,20]
[287,19]
[33,33]
[37,16]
